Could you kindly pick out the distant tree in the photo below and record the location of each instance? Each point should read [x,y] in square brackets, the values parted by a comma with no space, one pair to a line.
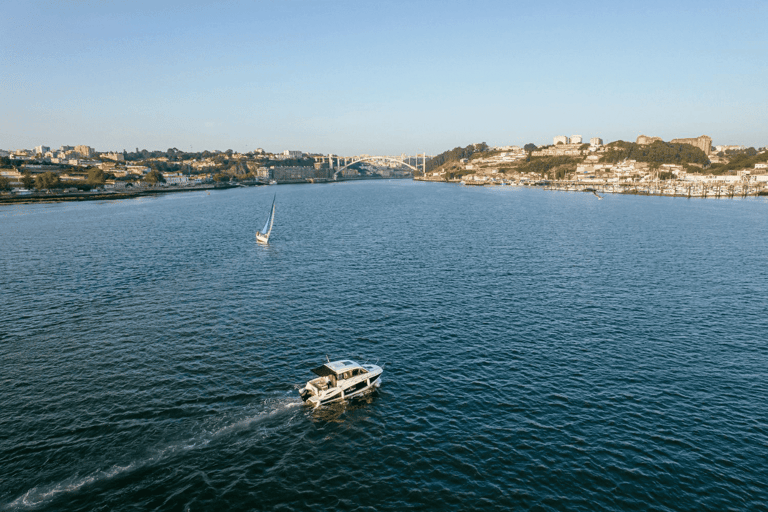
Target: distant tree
[154,177]
[96,176]
[530,147]
[218,178]
[5,184]
[27,180]
[47,181]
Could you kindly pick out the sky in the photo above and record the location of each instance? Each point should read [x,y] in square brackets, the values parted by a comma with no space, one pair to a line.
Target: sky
[378,77]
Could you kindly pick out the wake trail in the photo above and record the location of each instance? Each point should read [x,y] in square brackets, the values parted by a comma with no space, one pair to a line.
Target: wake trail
[39,495]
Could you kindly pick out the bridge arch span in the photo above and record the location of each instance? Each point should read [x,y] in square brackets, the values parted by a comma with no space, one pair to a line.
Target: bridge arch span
[378,159]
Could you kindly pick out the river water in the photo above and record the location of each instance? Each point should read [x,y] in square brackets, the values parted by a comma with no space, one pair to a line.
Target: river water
[542,351]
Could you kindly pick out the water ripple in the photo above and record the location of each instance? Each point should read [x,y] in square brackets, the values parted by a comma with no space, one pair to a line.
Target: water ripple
[542,351]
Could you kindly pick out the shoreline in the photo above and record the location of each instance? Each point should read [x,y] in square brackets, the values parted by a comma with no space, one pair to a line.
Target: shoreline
[685,190]
[103,196]
[700,191]
[106,196]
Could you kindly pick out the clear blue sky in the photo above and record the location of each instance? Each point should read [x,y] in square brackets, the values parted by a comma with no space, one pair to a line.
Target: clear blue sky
[378,77]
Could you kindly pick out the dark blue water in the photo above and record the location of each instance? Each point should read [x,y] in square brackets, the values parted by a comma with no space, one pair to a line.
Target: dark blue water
[542,351]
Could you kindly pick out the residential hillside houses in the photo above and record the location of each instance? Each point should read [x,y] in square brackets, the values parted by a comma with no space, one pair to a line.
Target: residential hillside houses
[584,166]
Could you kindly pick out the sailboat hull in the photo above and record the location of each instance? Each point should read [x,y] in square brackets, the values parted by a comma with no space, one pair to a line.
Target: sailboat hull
[262,239]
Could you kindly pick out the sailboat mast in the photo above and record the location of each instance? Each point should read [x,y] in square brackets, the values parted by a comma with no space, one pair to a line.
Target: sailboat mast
[272,215]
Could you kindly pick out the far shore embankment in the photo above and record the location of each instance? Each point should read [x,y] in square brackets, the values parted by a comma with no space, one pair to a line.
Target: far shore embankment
[671,188]
[102,196]
[59,197]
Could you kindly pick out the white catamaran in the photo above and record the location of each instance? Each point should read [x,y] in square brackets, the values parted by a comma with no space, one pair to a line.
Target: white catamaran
[263,235]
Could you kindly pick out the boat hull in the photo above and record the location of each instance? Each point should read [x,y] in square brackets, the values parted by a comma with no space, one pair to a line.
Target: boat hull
[317,401]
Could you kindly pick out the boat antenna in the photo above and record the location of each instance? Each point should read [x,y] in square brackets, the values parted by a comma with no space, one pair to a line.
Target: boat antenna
[326,358]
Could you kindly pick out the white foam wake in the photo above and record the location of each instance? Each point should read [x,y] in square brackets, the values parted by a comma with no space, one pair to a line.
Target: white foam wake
[39,495]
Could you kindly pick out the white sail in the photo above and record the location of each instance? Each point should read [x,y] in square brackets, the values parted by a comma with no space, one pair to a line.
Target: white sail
[263,235]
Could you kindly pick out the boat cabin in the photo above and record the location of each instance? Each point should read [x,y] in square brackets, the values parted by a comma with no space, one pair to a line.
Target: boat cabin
[339,370]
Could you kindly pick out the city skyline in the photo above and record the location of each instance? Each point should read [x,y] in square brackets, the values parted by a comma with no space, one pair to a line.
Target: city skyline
[349,78]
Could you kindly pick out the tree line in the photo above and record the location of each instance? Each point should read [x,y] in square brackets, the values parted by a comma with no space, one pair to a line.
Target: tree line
[658,152]
[455,154]
[549,166]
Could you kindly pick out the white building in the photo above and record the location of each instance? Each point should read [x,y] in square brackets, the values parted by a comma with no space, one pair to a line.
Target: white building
[575,139]
[561,139]
[84,151]
[728,148]
[292,154]
[41,150]
[595,141]
[117,157]
[175,178]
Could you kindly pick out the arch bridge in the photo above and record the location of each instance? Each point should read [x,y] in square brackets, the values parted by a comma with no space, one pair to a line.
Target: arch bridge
[387,161]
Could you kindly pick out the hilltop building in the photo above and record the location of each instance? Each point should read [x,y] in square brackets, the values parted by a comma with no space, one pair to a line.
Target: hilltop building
[704,143]
[575,139]
[595,141]
[84,151]
[561,139]
[117,157]
[643,139]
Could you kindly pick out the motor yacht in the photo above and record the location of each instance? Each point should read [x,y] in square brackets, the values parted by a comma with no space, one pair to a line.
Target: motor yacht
[341,380]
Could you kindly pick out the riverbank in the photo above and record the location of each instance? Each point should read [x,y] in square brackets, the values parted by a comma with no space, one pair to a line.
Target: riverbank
[102,196]
[139,192]
[671,188]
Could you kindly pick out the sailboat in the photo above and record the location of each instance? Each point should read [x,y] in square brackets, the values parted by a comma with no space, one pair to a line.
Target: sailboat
[263,235]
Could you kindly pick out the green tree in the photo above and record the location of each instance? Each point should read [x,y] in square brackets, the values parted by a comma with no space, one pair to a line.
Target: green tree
[530,147]
[657,152]
[47,181]
[27,180]
[5,184]
[96,176]
[154,177]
